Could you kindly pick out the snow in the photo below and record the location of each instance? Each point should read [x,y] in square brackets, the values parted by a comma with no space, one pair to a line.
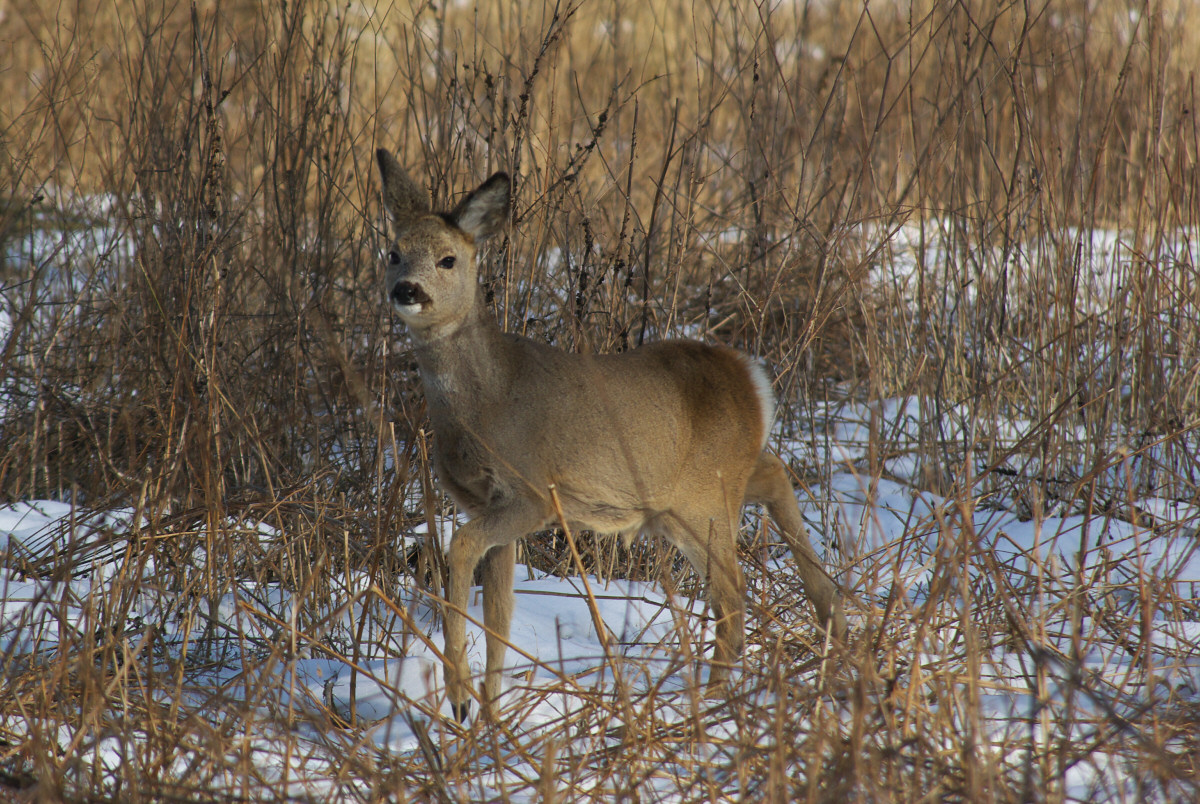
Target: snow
[553,639]
[1100,265]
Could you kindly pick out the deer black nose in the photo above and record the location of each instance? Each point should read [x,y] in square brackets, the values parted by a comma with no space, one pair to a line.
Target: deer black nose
[408,293]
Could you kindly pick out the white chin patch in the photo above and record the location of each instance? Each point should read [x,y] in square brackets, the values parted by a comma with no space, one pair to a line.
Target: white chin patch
[409,310]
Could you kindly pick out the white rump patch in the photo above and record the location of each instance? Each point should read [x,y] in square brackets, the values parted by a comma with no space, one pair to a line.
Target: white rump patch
[765,394]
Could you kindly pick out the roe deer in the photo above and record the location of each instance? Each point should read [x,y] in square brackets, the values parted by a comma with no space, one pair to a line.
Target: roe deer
[668,438]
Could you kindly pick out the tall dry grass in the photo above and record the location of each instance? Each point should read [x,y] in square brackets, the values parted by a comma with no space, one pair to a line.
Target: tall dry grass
[195,333]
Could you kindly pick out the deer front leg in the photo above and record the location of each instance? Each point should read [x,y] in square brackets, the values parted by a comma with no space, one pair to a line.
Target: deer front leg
[466,548]
[497,568]
[496,531]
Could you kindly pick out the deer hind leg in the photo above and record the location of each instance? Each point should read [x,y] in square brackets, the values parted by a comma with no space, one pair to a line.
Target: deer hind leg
[709,543]
[769,486]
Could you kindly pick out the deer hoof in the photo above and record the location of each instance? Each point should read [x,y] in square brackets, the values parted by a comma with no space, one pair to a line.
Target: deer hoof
[461,710]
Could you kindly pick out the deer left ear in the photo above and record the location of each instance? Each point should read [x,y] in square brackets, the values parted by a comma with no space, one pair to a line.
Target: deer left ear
[484,211]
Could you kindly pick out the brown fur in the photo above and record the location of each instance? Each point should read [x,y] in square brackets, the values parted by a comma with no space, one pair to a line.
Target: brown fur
[667,438]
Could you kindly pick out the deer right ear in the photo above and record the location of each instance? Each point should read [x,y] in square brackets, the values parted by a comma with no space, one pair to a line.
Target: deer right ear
[401,195]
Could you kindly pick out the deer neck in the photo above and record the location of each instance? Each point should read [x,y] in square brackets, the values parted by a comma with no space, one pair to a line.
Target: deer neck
[462,365]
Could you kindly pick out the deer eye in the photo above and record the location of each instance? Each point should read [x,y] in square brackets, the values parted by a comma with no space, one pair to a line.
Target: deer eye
[393,257]
[447,262]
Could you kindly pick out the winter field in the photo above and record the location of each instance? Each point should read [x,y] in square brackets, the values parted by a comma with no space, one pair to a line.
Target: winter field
[963,237]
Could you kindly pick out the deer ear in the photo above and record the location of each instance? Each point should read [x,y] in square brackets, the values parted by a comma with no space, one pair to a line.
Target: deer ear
[485,210]
[402,197]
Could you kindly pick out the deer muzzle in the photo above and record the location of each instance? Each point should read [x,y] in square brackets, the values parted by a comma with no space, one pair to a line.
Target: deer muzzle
[407,294]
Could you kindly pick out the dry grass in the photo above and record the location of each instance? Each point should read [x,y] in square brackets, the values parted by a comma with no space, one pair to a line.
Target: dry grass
[196,335]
